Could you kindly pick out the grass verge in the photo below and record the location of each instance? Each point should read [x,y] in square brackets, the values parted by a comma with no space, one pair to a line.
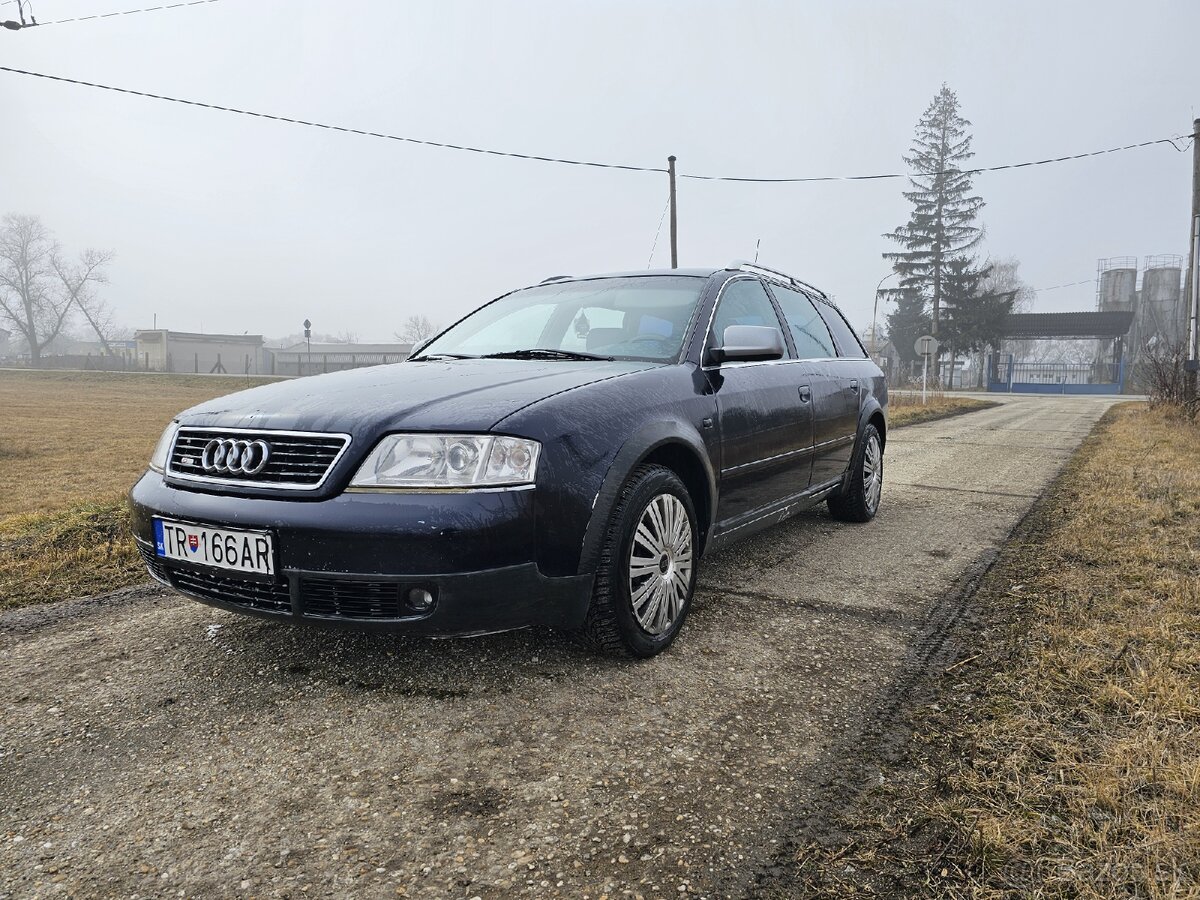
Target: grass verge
[907,409]
[1059,757]
[83,550]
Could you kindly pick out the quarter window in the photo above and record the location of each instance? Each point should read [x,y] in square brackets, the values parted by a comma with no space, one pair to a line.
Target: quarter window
[808,328]
[743,302]
[847,342]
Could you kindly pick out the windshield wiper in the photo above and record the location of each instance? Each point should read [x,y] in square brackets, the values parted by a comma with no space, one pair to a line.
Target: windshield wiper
[426,357]
[544,353]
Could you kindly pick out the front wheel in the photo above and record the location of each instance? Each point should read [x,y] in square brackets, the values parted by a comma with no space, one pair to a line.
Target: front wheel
[647,570]
[858,501]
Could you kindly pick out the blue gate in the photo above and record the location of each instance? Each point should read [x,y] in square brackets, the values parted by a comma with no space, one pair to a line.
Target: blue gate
[1006,375]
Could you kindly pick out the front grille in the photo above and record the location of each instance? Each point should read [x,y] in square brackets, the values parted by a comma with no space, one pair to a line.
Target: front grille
[345,599]
[272,596]
[297,460]
[325,598]
[153,563]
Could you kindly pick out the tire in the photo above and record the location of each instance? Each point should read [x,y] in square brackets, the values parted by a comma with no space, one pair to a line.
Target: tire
[859,500]
[637,608]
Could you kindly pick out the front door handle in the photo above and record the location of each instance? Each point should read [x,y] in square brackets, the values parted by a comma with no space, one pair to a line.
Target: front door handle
[805,393]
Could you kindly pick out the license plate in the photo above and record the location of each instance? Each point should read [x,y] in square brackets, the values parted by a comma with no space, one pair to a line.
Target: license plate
[219,548]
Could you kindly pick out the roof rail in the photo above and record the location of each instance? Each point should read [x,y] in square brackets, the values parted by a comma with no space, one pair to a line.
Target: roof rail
[745,266]
[555,278]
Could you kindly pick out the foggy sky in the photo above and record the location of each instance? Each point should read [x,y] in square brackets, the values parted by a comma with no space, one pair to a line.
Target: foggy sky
[227,223]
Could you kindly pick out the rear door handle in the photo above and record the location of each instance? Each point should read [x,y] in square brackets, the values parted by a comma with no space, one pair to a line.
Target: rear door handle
[854,385]
[805,393]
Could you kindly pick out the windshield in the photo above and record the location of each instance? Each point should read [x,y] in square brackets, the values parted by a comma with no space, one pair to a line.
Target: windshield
[642,318]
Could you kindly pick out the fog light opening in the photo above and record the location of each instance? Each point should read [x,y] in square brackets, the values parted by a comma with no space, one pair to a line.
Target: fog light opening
[420,600]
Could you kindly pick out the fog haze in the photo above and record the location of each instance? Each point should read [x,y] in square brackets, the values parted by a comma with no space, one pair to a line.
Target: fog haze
[230,223]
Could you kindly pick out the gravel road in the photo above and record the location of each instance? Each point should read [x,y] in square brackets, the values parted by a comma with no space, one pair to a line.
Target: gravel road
[151,746]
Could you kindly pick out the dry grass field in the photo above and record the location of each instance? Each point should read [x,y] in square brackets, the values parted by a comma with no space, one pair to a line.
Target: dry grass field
[72,436]
[71,445]
[1059,757]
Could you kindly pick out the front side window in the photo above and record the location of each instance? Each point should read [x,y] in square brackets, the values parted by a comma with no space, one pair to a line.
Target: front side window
[808,328]
[743,302]
[637,318]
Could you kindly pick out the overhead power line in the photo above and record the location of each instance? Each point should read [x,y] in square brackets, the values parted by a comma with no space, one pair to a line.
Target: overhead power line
[1069,284]
[122,12]
[325,125]
[576,162]
[1021,165]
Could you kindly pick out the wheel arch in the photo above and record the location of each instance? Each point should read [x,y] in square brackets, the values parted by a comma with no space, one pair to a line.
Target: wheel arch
[872,413]
[668,444]
[879,420]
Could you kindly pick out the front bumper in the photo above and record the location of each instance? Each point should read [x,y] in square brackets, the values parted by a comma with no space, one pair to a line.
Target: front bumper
[351,560]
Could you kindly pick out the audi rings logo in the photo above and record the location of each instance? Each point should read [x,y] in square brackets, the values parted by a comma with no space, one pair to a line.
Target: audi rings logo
[233,457]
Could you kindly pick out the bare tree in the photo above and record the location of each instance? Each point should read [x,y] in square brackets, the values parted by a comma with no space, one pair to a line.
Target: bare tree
[39,288]
[30,295]
[1161,373]
[1004,277]
[416,329]
[78,281]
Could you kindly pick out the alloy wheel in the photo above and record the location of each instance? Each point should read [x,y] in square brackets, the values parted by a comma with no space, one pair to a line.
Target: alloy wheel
[873,473]
[660,564]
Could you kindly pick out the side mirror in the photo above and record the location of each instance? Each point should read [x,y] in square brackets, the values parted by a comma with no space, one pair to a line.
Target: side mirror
[748,343]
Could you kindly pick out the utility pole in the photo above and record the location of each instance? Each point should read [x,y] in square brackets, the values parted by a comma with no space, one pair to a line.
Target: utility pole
[674,220]
[1193,276]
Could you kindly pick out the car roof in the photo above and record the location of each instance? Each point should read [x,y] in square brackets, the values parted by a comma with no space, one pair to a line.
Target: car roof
[640,273]
[736,266]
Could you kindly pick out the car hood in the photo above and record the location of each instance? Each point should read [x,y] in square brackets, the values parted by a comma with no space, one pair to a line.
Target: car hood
[455,395]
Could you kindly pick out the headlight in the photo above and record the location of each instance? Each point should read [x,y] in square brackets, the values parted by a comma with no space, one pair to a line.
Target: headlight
[162,451]
[448,461]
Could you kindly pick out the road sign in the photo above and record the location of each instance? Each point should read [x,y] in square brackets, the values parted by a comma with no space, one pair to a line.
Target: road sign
[927,345]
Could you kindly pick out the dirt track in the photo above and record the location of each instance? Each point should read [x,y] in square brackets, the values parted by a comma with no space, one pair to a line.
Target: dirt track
[152,746]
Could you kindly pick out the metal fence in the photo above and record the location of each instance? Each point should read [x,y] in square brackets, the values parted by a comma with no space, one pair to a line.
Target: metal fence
[88,362]
[1007,375]
[320,363]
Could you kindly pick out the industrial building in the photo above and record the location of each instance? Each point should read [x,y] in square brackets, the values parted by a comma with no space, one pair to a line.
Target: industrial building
[160,350]
[1154,296]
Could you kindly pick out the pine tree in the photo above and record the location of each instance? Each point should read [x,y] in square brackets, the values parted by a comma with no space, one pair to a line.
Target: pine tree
[973,317]
[942,225]
[961,301]
[909,321]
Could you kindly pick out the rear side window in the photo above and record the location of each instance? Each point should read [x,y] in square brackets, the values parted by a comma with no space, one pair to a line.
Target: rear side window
[743,302]
[808,328]
[847,341]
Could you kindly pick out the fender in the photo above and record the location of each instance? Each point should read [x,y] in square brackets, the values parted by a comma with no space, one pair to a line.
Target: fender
[870,407]
[635,449]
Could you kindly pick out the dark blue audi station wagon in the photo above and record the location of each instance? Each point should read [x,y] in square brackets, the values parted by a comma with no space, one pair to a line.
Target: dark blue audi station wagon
[562,456]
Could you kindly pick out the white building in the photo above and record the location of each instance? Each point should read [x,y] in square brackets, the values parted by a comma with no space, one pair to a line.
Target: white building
[160,350]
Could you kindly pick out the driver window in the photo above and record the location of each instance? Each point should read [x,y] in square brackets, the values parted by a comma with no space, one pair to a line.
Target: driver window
[743,302]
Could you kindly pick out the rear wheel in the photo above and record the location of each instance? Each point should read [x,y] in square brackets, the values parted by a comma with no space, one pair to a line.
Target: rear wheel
[647,571]
[859,500]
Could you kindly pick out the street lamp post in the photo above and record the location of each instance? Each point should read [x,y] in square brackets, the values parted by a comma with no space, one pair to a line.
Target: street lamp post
[875,311]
